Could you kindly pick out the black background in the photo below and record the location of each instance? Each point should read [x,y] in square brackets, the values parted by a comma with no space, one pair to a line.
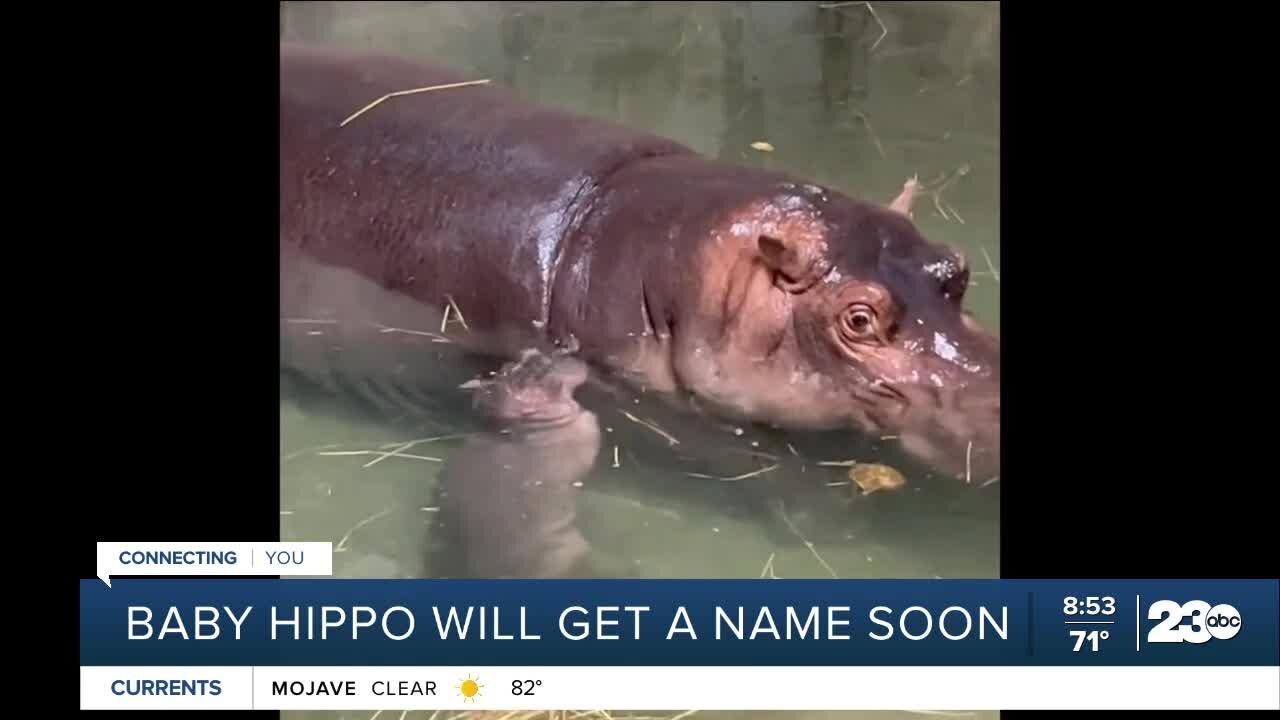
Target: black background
[164,135]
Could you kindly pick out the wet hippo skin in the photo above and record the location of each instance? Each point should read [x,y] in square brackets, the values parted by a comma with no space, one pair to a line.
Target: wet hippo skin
[468,219]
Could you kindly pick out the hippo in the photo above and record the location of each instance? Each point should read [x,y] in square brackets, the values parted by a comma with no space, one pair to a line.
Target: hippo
[508,498]
[425,216]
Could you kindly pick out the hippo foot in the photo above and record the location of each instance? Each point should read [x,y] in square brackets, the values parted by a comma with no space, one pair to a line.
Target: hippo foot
[599,565]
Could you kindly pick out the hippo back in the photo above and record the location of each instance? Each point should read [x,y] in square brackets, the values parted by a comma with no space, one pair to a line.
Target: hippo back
[464,193]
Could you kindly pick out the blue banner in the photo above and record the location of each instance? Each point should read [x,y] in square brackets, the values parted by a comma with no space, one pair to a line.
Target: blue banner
[334,622]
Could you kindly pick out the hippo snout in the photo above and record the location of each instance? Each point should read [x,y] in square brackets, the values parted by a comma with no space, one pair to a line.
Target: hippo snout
[960,438]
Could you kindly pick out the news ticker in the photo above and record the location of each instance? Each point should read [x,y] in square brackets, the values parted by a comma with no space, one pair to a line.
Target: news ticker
[295,643]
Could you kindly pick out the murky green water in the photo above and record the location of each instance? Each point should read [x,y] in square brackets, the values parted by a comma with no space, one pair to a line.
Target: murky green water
[857,96]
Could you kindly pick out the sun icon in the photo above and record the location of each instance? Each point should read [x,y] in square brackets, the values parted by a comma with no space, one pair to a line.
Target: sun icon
[469,688]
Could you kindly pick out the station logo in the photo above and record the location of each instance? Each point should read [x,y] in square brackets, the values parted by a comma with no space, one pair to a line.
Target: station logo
[1192,622]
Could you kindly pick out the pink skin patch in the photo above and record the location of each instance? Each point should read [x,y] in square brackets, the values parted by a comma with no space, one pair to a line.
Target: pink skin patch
[902,203]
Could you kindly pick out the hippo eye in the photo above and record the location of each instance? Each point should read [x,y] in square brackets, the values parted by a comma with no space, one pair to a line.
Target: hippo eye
[860,323]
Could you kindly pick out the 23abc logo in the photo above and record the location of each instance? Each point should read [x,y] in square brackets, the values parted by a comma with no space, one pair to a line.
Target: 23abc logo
[1192,622]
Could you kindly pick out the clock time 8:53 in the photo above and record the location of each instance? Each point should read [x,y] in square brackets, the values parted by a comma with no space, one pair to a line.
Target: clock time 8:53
[1089,605]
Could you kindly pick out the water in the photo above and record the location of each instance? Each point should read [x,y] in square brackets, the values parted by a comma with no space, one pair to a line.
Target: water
[857,97]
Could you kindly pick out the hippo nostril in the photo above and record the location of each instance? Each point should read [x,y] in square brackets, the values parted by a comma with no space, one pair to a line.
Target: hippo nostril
[956,285]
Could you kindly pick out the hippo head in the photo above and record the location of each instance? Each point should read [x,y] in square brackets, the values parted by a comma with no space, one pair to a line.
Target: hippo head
[821,312]
[532,393]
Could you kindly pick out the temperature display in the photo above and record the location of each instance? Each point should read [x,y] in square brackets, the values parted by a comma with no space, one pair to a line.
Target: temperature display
[524,687]
[1093,637]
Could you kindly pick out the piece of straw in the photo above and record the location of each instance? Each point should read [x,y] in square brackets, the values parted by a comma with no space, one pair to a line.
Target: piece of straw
[414,91]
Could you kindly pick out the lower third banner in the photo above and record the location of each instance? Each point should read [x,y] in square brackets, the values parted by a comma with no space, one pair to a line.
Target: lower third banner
[663,644]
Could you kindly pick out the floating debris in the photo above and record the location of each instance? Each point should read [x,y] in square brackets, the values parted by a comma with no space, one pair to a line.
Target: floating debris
[342,545]
[762,146]
[743,476]
[871,477]
[767,570]
[353,453]
[995,272]
[671,439]
[884,31]
[813,550]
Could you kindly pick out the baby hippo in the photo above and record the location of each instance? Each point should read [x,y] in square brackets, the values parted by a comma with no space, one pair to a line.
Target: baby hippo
[508,498]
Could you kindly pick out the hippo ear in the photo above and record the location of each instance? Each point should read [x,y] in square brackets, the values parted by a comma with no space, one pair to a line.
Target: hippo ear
[793,258]
[902,203]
